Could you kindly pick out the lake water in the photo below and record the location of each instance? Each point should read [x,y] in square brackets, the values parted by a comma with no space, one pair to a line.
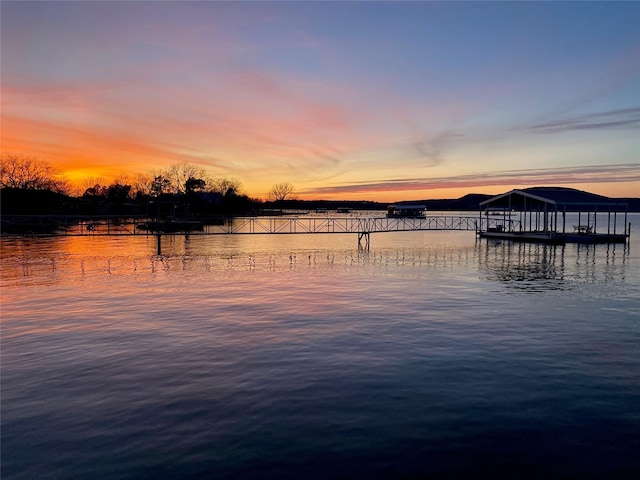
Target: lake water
[432,355]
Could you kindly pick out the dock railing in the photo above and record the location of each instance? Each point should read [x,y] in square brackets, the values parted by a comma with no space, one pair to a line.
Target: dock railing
[97,226]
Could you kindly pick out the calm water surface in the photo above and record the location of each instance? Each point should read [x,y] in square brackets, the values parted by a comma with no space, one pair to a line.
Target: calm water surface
[433,355]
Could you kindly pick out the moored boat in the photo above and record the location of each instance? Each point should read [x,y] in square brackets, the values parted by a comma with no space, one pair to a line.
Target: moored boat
[406,211]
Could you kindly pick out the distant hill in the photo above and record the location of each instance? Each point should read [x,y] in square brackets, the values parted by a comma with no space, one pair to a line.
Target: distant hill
[472,201]
[469,202]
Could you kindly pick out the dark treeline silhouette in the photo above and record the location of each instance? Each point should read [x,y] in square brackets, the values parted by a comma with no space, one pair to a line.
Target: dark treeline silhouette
[115,200]
[29,186]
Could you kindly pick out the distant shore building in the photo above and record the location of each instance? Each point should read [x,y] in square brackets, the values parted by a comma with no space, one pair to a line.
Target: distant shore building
[405,210]
[540,214]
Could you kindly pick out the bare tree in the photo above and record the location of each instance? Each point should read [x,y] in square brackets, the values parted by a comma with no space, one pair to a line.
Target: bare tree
[280,191]
[92,182]
[178,174]
[26,172]
[225,186]
[122,180]
[143,184]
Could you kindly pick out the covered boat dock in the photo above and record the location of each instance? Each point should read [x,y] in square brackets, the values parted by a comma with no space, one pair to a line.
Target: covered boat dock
[554,215]
[404,210]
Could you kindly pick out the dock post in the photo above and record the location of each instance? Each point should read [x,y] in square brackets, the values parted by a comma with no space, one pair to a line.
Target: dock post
[364,235]
[159,236]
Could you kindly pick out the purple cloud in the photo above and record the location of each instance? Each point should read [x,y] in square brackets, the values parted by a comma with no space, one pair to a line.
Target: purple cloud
[552,176]
[623,118]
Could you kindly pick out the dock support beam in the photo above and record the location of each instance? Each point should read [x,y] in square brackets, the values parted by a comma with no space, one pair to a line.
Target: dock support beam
[365,236]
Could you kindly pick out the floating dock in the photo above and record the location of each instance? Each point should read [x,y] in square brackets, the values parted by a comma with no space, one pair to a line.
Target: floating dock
[539,215]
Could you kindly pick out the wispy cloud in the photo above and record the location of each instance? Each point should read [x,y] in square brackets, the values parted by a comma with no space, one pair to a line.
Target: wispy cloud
[431,148]
[623,118]
[554,176]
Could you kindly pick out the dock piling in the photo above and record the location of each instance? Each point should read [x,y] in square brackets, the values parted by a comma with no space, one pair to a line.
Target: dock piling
[366,237]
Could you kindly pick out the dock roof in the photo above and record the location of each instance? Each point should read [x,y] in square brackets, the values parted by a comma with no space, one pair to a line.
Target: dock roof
[408,206]
[556,196]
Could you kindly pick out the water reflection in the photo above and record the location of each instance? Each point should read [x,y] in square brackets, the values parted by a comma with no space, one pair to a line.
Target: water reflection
[78,256]
[523,266]
[526,266]
[226,353]
[536,267]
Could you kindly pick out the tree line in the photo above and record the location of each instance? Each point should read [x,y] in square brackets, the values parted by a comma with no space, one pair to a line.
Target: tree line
[31,185]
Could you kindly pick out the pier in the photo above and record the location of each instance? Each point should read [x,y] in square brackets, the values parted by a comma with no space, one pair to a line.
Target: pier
[363,226]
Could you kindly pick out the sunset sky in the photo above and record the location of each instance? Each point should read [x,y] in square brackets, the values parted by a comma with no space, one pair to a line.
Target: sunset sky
[345,100]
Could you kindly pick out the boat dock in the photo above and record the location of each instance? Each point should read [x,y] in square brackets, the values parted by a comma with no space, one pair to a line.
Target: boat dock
[539,214]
